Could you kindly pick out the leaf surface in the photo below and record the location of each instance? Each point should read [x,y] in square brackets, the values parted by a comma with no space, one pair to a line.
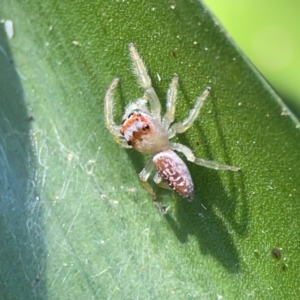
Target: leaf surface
[75,221]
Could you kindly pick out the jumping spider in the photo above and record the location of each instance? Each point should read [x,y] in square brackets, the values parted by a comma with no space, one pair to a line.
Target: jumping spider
[145,131]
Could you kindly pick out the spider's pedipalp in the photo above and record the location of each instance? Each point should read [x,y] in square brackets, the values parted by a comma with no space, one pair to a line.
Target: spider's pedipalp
[145,81]
[199,161]
[181,127]
[171,104]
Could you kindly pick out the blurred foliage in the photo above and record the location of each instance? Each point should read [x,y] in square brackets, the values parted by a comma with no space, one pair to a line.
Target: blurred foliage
[269,33]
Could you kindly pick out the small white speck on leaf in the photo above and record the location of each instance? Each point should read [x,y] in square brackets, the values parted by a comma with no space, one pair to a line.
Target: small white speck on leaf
[9,28]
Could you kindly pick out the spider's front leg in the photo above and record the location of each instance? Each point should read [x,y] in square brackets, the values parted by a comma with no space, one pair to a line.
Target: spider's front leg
[181,127]
[109,116]
[145,81]
[199,161]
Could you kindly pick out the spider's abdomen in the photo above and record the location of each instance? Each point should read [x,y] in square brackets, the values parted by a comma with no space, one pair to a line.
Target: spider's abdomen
[144,133]
[174,171]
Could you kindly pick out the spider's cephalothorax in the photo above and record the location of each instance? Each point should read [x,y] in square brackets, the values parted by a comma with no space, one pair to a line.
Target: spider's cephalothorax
[145,131]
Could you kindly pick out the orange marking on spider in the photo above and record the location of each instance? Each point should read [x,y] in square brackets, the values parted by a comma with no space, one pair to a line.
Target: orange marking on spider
[135,128]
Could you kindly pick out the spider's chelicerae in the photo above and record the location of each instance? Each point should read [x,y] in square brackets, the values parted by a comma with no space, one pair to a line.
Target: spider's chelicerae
[144,130]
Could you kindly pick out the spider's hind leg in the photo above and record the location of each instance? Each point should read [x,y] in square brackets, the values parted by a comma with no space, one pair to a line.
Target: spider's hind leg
[199,161]
[144,175]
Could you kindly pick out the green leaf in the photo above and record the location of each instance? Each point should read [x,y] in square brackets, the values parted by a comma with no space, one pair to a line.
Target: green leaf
[75,221]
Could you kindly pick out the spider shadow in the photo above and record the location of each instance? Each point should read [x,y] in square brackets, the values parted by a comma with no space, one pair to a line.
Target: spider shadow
[213,217]
[216,213]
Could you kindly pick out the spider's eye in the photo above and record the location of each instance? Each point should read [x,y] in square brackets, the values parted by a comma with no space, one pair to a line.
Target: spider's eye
[146,127]
[130,115]
[136,113]
[129,143]
[123,121]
